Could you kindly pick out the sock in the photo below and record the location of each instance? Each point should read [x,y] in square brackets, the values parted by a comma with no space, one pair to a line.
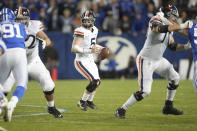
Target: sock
[50,103]
[85,96]
[13,101]
[19,92]
[91,97]
[170,94]
[129,102]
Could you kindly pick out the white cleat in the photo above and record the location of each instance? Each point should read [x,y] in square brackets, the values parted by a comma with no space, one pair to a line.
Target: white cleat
[3,102]
[8,113]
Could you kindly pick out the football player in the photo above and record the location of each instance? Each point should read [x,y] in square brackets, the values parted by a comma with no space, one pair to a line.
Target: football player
[84,45]
[3,99]
[191,33]
[13,34]
[36,69]
[150,59]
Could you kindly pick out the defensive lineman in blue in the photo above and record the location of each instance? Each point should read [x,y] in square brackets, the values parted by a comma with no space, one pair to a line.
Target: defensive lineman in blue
[13,34]
[192,33]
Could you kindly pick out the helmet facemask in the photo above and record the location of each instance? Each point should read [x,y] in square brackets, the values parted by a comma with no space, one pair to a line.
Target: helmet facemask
[174,14]
[88,22]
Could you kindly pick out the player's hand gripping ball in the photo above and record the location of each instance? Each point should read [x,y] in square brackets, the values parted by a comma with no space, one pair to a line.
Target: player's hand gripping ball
[103,53]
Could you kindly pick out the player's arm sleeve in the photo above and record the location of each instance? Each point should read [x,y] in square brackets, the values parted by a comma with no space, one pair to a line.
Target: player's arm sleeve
[78,33]
[38,26]
[154,23]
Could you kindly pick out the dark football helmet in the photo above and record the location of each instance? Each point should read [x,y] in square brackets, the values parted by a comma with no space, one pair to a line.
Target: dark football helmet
[170,11]
[88,19]
[22,14]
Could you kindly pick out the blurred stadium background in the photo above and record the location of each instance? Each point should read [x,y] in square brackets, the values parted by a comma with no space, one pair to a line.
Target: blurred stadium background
[122,28]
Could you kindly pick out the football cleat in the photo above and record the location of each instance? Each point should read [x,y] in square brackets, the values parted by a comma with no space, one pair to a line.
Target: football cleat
[83,105]
[169,109]
[8,113]
[120,113]
[54,111]
[91,105]
[3,102]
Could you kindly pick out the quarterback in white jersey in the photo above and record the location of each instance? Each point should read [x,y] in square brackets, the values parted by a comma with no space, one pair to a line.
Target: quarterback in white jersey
[36,69]
[150,59]
[84,45]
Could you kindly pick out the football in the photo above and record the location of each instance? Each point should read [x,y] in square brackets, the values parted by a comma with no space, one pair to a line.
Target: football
[104,53]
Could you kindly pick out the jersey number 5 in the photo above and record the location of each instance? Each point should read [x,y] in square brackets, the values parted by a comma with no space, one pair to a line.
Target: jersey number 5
[93,41]
[9,31]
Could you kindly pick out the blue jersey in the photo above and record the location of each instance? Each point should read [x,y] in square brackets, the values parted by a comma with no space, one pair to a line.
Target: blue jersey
[13,34]
[193,40]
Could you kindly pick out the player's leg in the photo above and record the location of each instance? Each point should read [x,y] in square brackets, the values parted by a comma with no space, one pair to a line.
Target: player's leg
[38,72]
[19,64]
[8,84]
[94,71]
[195,76]
[166,70]
[3,100]
[145,72]
[90,71]
[5,69]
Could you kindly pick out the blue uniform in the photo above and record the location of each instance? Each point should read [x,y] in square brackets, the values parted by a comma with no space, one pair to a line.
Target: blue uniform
[13,34]
[193,41]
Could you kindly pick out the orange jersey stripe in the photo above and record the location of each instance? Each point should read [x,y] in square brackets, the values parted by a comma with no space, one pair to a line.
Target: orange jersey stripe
[156,18]
[84,72]
[78,32]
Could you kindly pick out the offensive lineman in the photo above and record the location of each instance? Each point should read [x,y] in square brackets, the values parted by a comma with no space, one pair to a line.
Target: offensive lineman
[84,45]
[150,59]
[35,67]
[13,34]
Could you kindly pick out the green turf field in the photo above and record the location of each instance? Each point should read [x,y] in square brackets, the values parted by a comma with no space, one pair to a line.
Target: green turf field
[145,115]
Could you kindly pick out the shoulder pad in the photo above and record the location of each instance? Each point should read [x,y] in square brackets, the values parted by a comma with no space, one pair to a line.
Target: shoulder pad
[80,32]
[37,24]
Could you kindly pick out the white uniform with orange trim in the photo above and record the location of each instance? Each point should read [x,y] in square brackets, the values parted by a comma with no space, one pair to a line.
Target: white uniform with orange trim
[84,63]
[36,69]
[150,59]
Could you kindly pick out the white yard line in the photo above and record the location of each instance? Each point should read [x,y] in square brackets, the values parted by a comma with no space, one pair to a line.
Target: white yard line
[36,114]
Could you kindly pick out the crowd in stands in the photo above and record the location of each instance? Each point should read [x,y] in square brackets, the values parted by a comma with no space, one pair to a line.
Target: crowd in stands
[114,16]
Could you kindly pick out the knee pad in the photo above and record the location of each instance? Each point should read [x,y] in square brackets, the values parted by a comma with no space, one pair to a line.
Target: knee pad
[138,95]
[172,85]
[49,92]
[93,85]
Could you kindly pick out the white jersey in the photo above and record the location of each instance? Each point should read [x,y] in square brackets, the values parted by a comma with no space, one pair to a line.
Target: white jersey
[88,42]
[155,43]
[32,42]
